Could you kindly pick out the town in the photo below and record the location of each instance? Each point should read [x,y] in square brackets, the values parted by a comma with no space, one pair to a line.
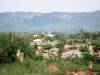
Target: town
[49,37]
[51,49]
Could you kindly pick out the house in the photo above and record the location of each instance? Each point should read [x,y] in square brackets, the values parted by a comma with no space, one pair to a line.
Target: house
[37,42]
[35,35]
[20,56]
[67,46]
[53,43]
[50,35]
[54,51]
[71,53]
[39,51]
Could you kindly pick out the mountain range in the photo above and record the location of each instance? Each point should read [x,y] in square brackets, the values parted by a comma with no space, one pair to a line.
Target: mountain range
[55,21]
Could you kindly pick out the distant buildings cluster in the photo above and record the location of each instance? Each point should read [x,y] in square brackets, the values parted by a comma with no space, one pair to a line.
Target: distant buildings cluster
[72,50]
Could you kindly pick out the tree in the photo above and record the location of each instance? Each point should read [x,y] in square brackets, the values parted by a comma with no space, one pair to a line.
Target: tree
[9,46]
[47,47]
[96,43]
[61,37]
[87,56]
[82,34]
[61,49]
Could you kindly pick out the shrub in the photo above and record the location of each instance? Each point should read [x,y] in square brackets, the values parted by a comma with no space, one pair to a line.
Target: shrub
[49,61]
[47,47]
[96,67]
[84,49]
[78,61]
[9,47]
[88,57]
[37,58]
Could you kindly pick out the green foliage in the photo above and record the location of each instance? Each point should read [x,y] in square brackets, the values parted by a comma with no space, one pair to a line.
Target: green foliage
[47,46]
[47,38]
[88,57]
[84,49]
[10,43]
[96,43]
[61,37]
[39,68]
[77,41]
[49,61]
[78,61]
[33,48]
[92,36]
[96,67]
[60,46]
[37,58]
[7,48]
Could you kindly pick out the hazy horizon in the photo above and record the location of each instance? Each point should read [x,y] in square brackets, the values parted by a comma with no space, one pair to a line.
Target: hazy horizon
[49,12]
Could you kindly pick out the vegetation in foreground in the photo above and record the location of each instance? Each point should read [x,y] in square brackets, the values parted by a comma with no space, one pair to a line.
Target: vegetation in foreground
[33,67]
[37,65]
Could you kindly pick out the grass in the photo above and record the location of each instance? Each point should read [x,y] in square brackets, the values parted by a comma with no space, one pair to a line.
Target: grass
[36,68]
[96,68]
[31,67]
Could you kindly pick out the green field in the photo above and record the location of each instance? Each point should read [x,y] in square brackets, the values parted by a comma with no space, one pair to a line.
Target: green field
[31,67]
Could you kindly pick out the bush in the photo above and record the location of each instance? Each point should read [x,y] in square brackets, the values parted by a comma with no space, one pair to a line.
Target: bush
[9,47]
[49,61]
[47,47]
[96,67]
[98,60]
[37,58]
[88,57]
[78,61]
[84,49]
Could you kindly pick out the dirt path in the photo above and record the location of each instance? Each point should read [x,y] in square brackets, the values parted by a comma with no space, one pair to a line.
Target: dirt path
[88,73]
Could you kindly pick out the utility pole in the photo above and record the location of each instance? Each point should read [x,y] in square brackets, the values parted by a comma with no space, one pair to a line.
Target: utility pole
[82,33]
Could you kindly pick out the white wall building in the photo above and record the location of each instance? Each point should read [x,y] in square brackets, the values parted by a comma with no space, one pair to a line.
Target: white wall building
[71,53]
[50,35]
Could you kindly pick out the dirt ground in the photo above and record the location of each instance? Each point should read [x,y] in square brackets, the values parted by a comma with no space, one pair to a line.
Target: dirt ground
[53,68]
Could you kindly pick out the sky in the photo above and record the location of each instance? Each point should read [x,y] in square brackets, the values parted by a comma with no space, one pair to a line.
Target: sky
[45,6]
